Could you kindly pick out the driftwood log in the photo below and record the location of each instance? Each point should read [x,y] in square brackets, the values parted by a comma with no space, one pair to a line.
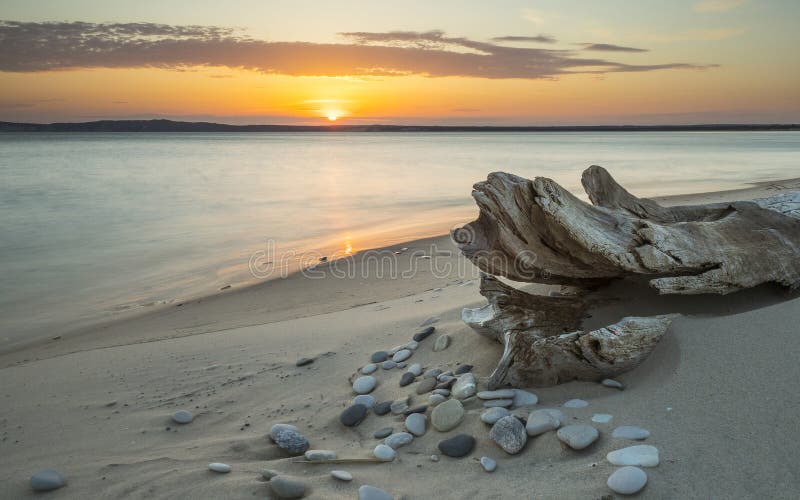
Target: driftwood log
[535,231]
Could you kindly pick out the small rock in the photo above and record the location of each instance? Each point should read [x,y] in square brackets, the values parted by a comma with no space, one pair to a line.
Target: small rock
[304,361]
[182,417]
[402,364]
[443,375]
[443,392]
[610,382]
[219,467]
[435,399]
[576,403]
[364,399]
[398,439]
[578,437]
[413,345]
[369,368]
[368,492]
[494,403]
[353,415]
[388,364]
[47,479]
[602,418]
[382,408]
[501,394]
[382,433]
[277,428]
[341,475]
[365,384]
[401,355]
[509,434]
[406,379]
[627,480]
[492,415]
[463,369]
[630,432]
[290,440]
[488,464]
[524,398]
[641,455]
[442,343]
[465,386]
[426,385]
[416,369]
[541,421]
[416,409]
[269,473]
[430,321]
[447,415]
[424,334]
[432,373]
[379,357]
[446,382]
[384,452]
[457,446]
[399,406]
[557,414]
[287,488]
[416,424]
[315,455]
[434,458]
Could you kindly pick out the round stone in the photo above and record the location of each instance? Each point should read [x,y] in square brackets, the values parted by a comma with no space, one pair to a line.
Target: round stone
[365,384]
[379,357]
[630,432]
[317,455]
[369,368]
[465,386]
[457,446]
[541,421]
[509,434]
[412,345]
[364,399]
[416,409]
[382,433]
[609,382]
[388,364]
[353,415]
[447,415]
[424,334]
[219,467]
[576,403]
[578,437]
[398,439]
[434,458]
[287,488]
[501,394]
[442,343]
[401,355]
[47,479]
[277,428]
[406,379]
[435,399]
[341,475]
[384,453]
[524,398]
[382,408]
[602,418]
[488,464]
[501,403]
[416,369]
[401,364]
[426,385]
[463,369]
[641,455]
[368,492]
[627,480]
[399,406]
[182,417]
[290,440]
[416,424]
[443,392]
[492,415]
[432,373]
[442,375]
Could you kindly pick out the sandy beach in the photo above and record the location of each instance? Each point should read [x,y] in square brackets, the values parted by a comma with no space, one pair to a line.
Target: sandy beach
[718,394]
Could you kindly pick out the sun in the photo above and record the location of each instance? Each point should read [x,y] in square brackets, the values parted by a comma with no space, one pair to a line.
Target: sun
[333,117]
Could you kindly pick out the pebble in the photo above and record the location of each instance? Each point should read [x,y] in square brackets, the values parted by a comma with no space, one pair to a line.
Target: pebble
[401,355]
[379,357]
[388,364]
[443,392]
[435,399]
[402,364]
[609,382]
[269,473]
[47,479]
[578,437]
[365,384]
[424,334]
[416,424]
[219,467]
[304,361]
[463,369]
[432,373]
[493,403]
[406,379]
[341,475]
[315,455]
[364,399]
[182,417]
[443,375]
[416,369]
[367,492]
[630,432]
[642,455]
[501,394]
[524,398]
[627,480]
[457,446]
[602,418]
[275,429]
[290,439]
[446,382]
[442,343]
[382,408]
[369,368]
[382,433]
[492,415]
[541,421]
[353,415]
[557,414]
[384,453]
[416,409]
[447,415]
[398,439]
[509,434]
[399,406]
[287,488]
[488,464]
[465,386]
[413,345]
[434,458]
[576,403]
[426,386]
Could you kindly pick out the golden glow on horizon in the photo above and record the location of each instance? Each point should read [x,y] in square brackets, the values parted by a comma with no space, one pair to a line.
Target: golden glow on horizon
[348,245]
[332,117]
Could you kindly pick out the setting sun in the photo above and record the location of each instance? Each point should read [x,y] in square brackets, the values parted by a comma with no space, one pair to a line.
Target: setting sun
[332,117]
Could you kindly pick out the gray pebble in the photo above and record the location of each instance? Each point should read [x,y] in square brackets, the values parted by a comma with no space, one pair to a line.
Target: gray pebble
[609,382]
[364,384]
[488,464]
[627,480]
[461,369]
[399,406]
[382,408]
[492,415]
[416,369]
[316,455]
[416,424]
[341,475]
[47,479]
[435,399]
[398,439]
[494,403]
[578,437]
[219,467]
[388,364]
[379,357]
[406,379]
[287,488]
[432,373]
[457,446]
[290,440]
[576,403]
[499,394]
[367,492]
[630,432]
[422,335]
[382,433]
[401,355]
[364,399]
[524,398]
[442,343]
[182,417]
[509,434]
[384,452]
[353,415]
[369,368]
[426,386]
[541,421]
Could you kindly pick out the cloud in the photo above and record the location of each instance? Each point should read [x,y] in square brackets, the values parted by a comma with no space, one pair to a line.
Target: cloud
[717,5]
[607,47]
[33,47]
[531,39]
[695,35]
[533,16]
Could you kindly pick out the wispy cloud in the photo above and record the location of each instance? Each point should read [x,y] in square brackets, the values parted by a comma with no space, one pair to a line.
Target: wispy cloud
[608,47]
[695,35]
[717,5]
[533,16]
[30,47]
[526,39]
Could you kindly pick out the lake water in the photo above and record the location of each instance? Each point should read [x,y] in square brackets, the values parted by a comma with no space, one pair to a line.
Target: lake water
[100,225]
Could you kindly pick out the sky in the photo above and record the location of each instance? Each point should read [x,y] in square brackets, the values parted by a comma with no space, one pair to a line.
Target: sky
[504,62]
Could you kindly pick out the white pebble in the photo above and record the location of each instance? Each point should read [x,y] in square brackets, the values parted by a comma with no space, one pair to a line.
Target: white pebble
[576,403]
[627,480]
[642,455]
[630,432]
[370,368]
[384,453]
[342,475]
[219,467]
[602,418]
[488,464]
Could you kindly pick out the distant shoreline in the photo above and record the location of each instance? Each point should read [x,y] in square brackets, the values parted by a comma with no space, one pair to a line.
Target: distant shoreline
[180,126]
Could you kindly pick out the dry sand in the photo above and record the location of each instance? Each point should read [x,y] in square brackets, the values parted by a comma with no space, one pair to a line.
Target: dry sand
[719,395]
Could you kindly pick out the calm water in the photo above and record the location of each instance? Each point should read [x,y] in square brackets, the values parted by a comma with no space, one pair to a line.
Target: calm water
[97,225]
